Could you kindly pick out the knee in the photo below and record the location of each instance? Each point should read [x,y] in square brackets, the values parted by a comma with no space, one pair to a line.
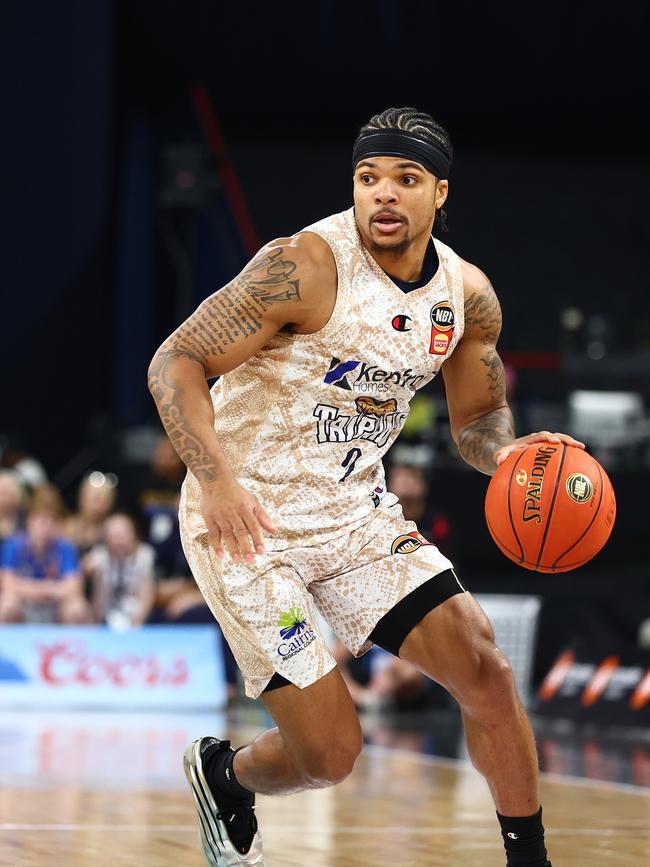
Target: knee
[490,685]
[331,762]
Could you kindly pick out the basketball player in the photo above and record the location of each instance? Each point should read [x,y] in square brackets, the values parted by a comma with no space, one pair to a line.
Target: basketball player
[319,344]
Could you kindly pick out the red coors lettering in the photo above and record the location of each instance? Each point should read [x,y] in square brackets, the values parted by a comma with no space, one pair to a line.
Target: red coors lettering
[69,662]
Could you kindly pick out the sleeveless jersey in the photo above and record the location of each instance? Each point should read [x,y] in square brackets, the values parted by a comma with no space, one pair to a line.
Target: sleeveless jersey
[306,421]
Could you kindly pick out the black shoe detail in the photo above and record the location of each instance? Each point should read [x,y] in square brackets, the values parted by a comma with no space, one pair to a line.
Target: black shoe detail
[236,812]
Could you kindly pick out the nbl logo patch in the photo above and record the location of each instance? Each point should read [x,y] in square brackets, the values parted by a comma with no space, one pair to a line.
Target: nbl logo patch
[408,543]
[580,488]
[442,328]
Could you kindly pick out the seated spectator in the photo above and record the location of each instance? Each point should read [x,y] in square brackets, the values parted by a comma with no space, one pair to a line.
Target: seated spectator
[411,485]
[379,680]
[40,569]
[122,570]
[11,502]
[178,599]
[95,501]
[155,496]
[30,471]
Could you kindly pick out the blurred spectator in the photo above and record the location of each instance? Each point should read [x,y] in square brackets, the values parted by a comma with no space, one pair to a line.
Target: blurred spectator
[379,680]
[95,501]
[156,498]
[40,569]
[153,496]
[411,485]
[11,502]
[29,470]
[122,570]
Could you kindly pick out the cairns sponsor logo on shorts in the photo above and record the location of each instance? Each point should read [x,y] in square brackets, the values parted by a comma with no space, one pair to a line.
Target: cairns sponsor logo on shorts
[376,420]
[367,378]
[408,543]
[295,632]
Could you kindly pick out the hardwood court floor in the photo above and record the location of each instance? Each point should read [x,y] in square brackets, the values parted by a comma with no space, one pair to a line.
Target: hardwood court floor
[76,794]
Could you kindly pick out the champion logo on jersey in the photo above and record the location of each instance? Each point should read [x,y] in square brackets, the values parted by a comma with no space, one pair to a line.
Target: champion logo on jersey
[401,322]
[336,375]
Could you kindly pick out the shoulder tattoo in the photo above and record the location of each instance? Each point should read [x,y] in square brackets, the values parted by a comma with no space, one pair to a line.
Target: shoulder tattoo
[236,311]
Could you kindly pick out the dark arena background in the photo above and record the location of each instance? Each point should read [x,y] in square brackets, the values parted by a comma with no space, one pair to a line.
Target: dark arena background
[150,148]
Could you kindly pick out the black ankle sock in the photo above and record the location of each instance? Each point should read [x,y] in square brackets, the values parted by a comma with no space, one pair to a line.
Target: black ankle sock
[220,774]
[523,837]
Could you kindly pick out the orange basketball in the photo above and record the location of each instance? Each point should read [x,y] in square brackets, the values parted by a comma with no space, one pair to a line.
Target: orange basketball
[550,507]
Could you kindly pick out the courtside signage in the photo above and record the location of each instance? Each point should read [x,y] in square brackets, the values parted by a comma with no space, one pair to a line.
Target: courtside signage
[92,666]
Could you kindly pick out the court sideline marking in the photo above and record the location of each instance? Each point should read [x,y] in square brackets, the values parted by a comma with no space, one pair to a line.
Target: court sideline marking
[274,828]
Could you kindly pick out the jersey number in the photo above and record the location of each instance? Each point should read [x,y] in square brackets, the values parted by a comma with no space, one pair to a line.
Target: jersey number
[350,461]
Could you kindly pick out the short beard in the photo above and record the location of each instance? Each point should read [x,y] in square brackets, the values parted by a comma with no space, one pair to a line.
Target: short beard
[393,249]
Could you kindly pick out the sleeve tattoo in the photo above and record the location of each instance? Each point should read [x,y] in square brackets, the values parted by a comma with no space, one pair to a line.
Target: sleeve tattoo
[234,312]
[479,440]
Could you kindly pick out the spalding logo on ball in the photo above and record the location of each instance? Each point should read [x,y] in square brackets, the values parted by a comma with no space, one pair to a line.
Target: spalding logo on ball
[550,507]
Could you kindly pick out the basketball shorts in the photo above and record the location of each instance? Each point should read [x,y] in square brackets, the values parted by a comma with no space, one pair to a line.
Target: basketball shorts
[267,609]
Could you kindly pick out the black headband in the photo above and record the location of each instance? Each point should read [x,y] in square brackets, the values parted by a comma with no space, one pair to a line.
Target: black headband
[396,143]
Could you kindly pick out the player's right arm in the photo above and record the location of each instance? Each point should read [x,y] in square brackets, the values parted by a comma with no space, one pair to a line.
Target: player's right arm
[291,283]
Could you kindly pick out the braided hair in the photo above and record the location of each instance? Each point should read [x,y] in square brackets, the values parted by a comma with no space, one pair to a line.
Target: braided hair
[422,125]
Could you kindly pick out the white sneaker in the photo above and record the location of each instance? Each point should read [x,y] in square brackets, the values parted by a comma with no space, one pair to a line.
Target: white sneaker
[228,829]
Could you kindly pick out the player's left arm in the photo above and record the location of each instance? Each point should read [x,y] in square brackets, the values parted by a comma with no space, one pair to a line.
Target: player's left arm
[481,421]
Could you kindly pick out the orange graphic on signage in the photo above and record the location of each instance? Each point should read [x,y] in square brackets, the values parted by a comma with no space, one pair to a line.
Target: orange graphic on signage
[599,680]
[554,679]
[641,695]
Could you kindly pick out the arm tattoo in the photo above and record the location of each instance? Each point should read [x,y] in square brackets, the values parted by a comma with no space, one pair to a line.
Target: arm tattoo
[235,312]
[482,310]
[496,377]
[483,314]
[170,396]
[479,440]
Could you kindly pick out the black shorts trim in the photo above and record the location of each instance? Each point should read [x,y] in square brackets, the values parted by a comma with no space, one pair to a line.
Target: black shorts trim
[276,682]
[396,624]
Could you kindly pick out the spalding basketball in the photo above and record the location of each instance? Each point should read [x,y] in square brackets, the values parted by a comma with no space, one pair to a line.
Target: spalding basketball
[550,507]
